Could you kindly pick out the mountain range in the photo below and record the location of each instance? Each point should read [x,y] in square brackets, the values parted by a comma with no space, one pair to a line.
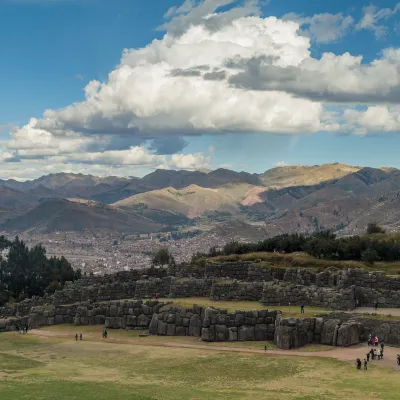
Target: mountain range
[283,199]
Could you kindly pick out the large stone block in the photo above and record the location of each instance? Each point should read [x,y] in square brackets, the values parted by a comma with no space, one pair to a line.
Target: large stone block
[246,333]
[208,334]
[221,333]
[195,325]
[328,331]
[153,327]
[261,332]
[162,328]
[131,320]
[171,330]
[348,334]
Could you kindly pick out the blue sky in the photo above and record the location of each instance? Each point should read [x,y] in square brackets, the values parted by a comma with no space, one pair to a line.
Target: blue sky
[52,49]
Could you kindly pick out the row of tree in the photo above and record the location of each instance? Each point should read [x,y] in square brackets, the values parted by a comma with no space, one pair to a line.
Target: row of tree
[26,272]
[373,246]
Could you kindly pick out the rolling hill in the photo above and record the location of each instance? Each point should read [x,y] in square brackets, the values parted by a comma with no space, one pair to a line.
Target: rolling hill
[192,201]
[288,199]
[64,215]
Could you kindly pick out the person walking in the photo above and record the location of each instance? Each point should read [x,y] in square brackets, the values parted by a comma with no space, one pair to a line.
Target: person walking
[302,309]
[376,305]
[80,336]
[265,349]
[358,363]
[365,364]
[382,346]
[157,295]
[76,337]
[368,355]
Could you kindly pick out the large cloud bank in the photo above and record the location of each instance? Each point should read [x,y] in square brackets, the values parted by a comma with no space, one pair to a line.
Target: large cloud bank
[214,72]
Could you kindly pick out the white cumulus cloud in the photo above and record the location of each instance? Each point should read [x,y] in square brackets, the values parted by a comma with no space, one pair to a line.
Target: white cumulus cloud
[220,67]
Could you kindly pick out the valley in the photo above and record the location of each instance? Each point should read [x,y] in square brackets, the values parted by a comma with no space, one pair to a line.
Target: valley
[111,223]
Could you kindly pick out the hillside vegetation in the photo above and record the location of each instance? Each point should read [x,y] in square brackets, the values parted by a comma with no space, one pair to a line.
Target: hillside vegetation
[28,272]
[320,251]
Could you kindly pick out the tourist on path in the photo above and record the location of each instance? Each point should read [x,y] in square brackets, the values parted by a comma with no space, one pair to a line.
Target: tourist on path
[358,363]
[369,339]
[382,346]
[372,354]
[302,308]
[265,348]
[80,336]
[76,337]
[365,364]
[376,341]
[368,355]
[376,305]
[157,295]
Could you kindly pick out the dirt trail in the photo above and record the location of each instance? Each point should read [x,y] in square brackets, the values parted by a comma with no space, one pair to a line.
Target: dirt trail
[338,353]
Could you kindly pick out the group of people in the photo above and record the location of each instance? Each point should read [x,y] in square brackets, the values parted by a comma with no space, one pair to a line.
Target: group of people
[373,353]
[80,337]
[373,340]
[23,329]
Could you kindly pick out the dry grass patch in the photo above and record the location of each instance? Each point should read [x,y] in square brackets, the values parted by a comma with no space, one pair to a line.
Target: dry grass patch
[96,369]
[303,260]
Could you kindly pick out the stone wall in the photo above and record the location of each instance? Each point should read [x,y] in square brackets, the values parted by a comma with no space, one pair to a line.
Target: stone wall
[190,287]
[238,291]
[279,293]
[124,314]
[214,325]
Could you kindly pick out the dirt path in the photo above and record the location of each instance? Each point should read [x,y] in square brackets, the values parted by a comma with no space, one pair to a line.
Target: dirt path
[338,353]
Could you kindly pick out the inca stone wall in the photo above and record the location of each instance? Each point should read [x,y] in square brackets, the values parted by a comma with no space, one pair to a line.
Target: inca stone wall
[239,291]
[231,281]
[282,293]
[123,314]
[190,287]
[211,324]
[214,325]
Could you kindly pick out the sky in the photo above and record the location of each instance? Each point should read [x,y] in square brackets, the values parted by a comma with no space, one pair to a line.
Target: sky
[125,87]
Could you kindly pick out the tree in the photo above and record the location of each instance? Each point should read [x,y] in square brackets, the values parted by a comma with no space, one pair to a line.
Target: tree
[28,272]
[163,257]
[369,256]
[373,228]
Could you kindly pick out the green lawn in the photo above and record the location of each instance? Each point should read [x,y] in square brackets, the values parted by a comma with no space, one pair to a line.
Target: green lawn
[292,311]
[60,368]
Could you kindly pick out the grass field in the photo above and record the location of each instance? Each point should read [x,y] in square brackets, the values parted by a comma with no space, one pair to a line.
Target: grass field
[302,260]
[134,368]
[292,311]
